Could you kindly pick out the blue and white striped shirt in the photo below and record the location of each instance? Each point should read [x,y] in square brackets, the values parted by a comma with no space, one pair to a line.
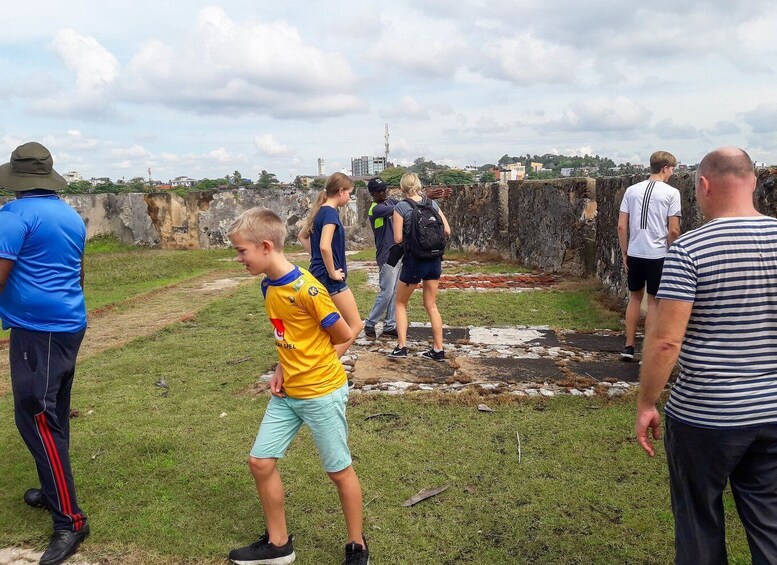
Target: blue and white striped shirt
[728,360]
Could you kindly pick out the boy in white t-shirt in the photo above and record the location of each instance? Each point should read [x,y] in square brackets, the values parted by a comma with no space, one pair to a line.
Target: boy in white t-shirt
[649,222]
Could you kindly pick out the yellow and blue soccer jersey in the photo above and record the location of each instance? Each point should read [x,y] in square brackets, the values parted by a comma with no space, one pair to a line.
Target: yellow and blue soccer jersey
[300,310]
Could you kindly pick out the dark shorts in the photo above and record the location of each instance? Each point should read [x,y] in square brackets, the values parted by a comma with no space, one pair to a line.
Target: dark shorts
[644,271]
[414,270]
[334,287]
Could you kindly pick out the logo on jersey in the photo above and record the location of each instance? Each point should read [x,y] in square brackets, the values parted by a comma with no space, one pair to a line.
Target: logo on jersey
[298,284]
[312,291]
[280,329]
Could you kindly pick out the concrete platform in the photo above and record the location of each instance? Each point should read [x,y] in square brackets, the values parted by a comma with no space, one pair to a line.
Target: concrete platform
[424,333]
[595,342]
[605,371]
[511,370]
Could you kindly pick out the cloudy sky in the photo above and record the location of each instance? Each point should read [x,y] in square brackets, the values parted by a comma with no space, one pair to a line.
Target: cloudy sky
[185,87]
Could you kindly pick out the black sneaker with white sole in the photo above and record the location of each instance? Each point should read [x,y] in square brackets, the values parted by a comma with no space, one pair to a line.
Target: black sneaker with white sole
[369,332]
[628,353]
[356,554]
[433,355]
[398,353]
[262,552]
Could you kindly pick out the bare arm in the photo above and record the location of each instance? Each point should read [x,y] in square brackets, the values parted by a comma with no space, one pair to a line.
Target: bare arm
[304,239]
[327,234]
[674,230]
[340,332]
[623,236]
[5,271]
[446,228]
[662,347]
[399,222]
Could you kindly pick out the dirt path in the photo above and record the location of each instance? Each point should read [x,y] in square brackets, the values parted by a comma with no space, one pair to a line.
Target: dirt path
[145,314]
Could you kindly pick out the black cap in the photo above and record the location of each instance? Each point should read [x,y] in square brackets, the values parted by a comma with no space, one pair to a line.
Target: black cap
[376,185]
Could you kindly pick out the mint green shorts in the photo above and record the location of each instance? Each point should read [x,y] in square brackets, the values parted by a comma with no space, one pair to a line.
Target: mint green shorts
[325,416]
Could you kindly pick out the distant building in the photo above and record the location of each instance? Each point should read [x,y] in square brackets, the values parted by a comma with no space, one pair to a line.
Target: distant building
[72,176]
[536,167]
[567,171]
[183,181]
[94,181]
[513,171]
[365,166]
[320,166]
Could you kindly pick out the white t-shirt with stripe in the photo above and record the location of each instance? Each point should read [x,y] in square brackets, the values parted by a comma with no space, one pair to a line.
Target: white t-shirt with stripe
[728,360]
[649,204]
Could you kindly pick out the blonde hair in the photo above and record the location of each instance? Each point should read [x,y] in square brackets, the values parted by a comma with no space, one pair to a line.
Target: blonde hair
[334,184]
[258,225]
[661,159]
[410,184]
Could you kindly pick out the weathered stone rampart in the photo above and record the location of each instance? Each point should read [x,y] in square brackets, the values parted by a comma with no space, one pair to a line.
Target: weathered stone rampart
[557,226]
[609,193]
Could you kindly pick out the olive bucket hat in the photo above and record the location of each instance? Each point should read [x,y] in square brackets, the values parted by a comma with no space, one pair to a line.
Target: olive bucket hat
[30,167]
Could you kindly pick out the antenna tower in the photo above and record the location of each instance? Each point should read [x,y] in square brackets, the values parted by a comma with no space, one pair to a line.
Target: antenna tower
[386,154]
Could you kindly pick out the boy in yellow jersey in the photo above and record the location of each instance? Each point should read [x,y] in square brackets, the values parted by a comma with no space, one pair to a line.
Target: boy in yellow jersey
[309,386]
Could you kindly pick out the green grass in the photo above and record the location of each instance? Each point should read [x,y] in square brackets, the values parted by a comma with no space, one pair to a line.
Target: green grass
[164,480]
[115,276]
[574,308]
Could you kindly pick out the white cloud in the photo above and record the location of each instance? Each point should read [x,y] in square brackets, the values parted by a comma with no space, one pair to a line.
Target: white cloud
[94,66]
[132,152]
[412,42]
[604,114]
[407,109]
[267,145]
[225,66]
[525,59]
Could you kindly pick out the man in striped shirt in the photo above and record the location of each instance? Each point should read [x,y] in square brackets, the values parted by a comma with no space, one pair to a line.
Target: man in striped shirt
[649,222]
[717,312]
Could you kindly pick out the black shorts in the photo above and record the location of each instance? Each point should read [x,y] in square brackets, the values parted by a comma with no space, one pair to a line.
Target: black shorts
[644,271]
[415,270]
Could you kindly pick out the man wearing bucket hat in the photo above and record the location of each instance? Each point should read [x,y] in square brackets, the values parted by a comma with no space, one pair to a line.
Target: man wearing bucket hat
[42,302]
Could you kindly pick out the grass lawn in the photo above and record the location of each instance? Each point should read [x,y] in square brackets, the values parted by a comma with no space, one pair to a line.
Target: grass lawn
[164,479]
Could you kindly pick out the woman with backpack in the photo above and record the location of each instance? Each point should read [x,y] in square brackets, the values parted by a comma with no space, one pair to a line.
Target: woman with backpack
[323,237]
[422,229]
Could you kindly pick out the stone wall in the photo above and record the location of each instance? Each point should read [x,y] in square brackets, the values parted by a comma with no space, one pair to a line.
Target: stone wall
[552,224]
[609,193]
[201,220]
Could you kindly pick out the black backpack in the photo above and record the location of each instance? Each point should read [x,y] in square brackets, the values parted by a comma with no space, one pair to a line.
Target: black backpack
[426,232]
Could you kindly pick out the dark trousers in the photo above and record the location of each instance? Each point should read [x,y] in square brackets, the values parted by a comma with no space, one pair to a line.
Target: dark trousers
[42,369]
[701,462]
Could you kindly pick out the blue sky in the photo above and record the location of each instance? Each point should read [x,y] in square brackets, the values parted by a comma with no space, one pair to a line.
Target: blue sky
[204,89]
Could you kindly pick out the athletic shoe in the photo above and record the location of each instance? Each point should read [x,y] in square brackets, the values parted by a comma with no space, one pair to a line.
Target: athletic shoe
[34,497]
[391,332]
[398,353]
[628,353]
[356,554]
[433,355]
[262,552]
[369,331]
[63,544]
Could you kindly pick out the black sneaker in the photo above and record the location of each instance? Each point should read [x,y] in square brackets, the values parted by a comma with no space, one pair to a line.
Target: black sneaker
[433,355]
[262,552]
[63,544]
[369,331]
[391,332]
[628,353]
[356,554]
[34,497]
[398,353]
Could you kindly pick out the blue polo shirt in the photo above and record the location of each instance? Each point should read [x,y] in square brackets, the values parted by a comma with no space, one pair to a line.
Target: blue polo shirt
[45,238]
